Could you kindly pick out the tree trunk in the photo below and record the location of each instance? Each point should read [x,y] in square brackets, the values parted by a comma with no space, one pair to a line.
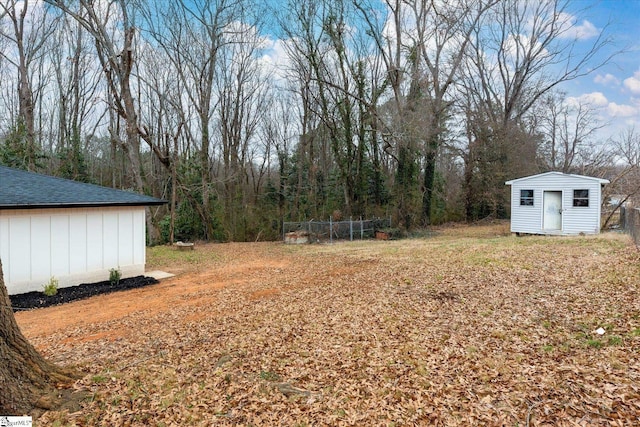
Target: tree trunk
[429,179]
[204,166]
[24,374]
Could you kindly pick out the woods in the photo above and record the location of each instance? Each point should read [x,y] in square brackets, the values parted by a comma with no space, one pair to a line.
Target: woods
[244,115]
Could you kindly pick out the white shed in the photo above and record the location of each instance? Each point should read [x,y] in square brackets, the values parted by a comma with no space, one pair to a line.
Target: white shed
[71,231]
[556,203]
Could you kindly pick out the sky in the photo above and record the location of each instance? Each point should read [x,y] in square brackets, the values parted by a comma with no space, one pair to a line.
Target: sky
[613,90]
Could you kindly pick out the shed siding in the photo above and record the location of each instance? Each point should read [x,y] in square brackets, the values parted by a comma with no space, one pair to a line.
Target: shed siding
[73,245]
[110,244]
[60,251]
[575,220]
[40,245]
[78,242]
[139,237]
[525,219]
[19,236]
[95,239]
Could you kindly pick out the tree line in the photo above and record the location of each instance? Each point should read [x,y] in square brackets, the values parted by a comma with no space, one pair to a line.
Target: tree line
[414,109]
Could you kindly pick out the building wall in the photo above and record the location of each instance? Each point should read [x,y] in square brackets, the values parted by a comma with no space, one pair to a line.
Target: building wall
[78,245]
[575,220]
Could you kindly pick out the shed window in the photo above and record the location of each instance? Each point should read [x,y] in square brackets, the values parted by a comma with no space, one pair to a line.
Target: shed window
[526,197]
[581,198]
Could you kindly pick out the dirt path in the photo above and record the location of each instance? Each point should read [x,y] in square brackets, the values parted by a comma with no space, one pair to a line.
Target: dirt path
[193,285]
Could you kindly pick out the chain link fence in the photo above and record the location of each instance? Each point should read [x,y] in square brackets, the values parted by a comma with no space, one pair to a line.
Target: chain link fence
[328,231]
[630,222]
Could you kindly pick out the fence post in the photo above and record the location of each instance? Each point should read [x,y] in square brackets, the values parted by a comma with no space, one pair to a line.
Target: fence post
[361,230]
[635,225]
[350,229]
[630,223]
[330,230]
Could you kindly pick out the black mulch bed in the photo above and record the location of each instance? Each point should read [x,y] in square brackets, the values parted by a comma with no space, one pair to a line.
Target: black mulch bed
[37,299]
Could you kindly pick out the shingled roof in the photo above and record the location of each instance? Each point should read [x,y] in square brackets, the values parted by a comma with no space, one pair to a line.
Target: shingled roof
[27,190]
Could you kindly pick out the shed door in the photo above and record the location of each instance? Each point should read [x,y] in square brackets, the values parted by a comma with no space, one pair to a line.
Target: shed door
[552,210]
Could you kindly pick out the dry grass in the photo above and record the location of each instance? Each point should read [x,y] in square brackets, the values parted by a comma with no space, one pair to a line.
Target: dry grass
[471,327]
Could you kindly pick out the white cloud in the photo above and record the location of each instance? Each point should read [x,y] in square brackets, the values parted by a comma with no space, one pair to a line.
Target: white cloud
[633,83]
[276,60]
[598,100]
[389,31]
[572,30]
[584,31]
[621,110]
[238,31]
[595,99]
[607,80]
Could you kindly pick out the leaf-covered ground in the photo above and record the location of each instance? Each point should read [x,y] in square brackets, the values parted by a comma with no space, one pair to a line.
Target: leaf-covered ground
[471,326]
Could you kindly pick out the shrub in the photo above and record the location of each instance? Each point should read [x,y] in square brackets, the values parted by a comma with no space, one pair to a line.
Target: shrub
[114,276]
[51,287]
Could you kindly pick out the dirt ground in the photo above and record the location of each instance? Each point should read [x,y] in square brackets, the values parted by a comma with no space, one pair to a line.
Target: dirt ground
[242,261]
[211,266]
[471,326]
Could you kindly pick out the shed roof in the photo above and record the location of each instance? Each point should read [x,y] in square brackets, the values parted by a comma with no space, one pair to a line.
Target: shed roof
[547,174]
[28,190]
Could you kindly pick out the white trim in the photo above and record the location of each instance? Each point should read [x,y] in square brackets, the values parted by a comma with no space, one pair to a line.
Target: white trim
[552,230]
[591,178]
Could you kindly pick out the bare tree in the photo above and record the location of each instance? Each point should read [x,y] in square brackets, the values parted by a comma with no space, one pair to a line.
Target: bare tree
[624,186]
[242,93]
[278,134]
[337,74]
[78,81]
[524,50]
[520,53]
[568,130]
[443,33]
[191,36]
[300,27]
[425,43]
[113,30]
[28,32]
[112,26]
[163,107]
[628,146]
